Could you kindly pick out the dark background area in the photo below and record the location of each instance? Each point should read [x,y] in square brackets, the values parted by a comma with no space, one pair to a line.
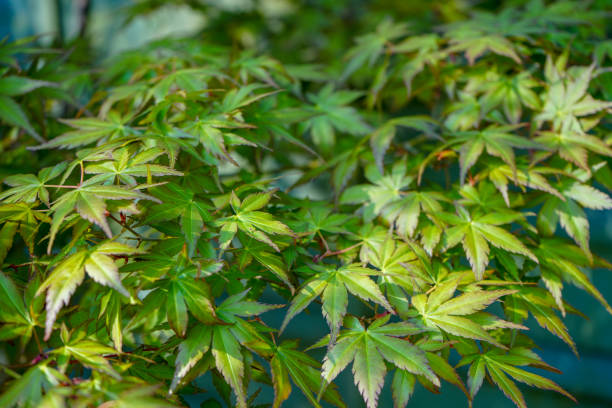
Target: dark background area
[588,378]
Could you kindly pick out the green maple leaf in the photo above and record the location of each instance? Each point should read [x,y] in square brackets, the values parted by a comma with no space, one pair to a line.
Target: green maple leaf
[567,99]
[371,46]
[466,113]
[270,118]
[425,51]
[477,233]
[574,146]
[381,138]
[17,321]
[321,218]
[523,177]
[69,273]
[90,130]
[290,365]
[229,362]
[13,114]
[187,292]
[13,308]
[509,92]
[125,166]
[88,200]
[10,111]
[332,114]
[28,389]
[399,276]
[333,286]
[498,141]
[288,362]
[224,342]
[87,352]
[180,202]
[190,351]
[187,79]
[475,44]
[254,249]
[254,223]
[386,196]
[570,214]
[20,218]
[452,314]
[214,140]
[560,262]
[541,305]
[368,348]
[28,187]
[500,365]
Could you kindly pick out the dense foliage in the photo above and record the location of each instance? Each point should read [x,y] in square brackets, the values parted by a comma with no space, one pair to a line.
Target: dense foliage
[425,192]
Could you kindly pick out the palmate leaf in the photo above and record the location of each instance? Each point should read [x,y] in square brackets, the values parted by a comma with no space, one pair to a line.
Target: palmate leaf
[523,177]
[228,359]
[368,348]
[440,310]
[229,331]
[476,45]
[385,189]
[333,284]
[574,146]
[562,263]
[403,387]
[272,262]
[20,218]
[501,366]
[512,93]
[370,46]
[396,279]
[28,389]
[381,138]
[252,222]
[213,139]
[89,130]
[287,362]
[126,165]
[406,211]
[476,234]
[567,99]
[68,274]
[11,301]
[177,201]
[498,141]
[569,212]
[186,292]
[402,208]
[541,305]
[445,371]
[90,354]
[28,188]
[12,113]
[12,85]
[88,201]
[332,114]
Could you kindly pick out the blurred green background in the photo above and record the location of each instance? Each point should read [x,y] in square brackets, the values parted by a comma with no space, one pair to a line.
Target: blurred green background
[321,30]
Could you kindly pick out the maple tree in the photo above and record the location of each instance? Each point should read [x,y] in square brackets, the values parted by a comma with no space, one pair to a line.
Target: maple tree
[407,187]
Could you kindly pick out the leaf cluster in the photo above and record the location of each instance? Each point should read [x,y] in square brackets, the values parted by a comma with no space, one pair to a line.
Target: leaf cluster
[423,191]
